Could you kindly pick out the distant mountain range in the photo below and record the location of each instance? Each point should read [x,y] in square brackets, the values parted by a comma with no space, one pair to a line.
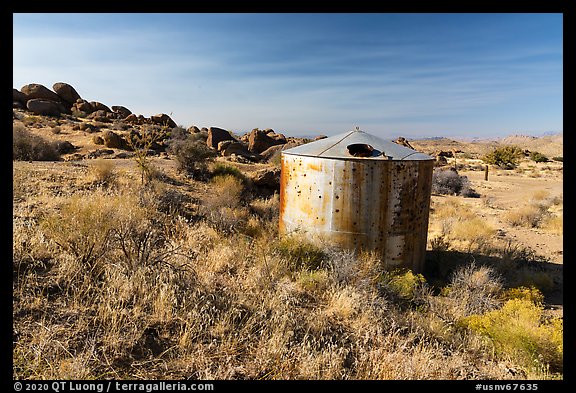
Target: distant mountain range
[550,144]
[503,139]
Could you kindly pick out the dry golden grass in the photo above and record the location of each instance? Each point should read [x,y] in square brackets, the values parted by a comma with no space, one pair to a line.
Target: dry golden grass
[540,195]
[476,232]
[542,211]
[103,172]
[458,226]
[227,192]
[108,283]
[554,224]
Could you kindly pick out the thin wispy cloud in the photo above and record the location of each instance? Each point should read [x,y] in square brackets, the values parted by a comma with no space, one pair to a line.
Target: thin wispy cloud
[422,74]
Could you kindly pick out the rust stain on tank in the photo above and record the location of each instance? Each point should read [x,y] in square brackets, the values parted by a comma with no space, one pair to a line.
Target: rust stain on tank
[284,173]
[314,167]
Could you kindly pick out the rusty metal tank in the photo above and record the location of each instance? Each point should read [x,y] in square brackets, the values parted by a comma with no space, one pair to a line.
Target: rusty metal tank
[357,191]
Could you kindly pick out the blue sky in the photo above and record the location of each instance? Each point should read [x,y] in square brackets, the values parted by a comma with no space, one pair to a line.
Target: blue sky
[412,75]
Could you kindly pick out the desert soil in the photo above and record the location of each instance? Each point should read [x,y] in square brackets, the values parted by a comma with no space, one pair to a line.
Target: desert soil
[503,192]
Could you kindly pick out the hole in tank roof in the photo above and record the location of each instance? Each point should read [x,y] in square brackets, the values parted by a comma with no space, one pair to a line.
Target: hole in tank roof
[362,150]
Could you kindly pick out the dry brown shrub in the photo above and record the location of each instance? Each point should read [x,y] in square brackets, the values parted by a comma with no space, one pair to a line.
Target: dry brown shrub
[526,216]
[554,224]
[472,290]
[102,172]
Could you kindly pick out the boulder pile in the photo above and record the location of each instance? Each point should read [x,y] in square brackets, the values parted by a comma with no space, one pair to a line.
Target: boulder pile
[63,99]
[64,102]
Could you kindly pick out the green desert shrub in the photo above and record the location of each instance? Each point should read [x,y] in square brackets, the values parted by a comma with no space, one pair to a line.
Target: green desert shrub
[228,191]
[220,169]
[554,224]
[506,157]
[98,226]
[266,208]
[103,172]
[538,157]
[224,208]
[530,215]
[475,232]
[531,293]
[192,156]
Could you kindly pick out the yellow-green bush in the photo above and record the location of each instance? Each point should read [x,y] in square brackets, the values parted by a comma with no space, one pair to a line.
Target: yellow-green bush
[532,294]
[314,280]
[220,169]
[506,157]
[517,330]
[403,283]
[300,254]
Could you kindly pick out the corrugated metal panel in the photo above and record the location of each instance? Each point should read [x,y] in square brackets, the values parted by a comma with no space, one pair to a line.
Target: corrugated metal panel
[340,146]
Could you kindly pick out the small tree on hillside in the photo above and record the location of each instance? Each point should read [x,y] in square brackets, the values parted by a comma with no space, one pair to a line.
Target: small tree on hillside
[506,157]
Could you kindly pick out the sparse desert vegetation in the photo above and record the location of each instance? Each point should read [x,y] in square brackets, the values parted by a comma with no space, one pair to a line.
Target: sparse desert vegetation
[181,273]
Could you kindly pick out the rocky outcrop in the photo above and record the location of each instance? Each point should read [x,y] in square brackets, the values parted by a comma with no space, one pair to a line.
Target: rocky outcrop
[82,106]
[163,119]
[131,118]
[67,94]
[278,137]
[88,117]
[18,96]
[121,111]
[113,140]
[229,147]
[65,147]
[266,182]
[217,135]
[98,106]
[98,140]
[36,90]
[101,116]
[267,154]
[260,140]
[46,101]
[44,107]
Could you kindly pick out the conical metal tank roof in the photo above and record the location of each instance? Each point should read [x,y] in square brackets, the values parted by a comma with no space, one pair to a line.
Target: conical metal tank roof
[357,144]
